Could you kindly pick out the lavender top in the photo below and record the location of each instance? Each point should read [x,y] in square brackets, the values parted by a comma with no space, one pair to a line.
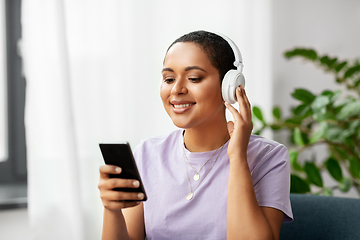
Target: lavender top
[167,213]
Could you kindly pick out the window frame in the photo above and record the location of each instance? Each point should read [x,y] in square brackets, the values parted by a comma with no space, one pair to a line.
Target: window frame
[13,171]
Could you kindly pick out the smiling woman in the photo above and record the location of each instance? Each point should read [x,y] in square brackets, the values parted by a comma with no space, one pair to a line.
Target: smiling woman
[210,179]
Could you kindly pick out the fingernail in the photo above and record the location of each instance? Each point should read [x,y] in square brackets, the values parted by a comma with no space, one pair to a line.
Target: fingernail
[136,183]
[140,195]
[118,169]
[241,86]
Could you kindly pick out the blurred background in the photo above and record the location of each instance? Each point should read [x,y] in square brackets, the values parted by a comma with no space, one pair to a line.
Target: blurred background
[76,73]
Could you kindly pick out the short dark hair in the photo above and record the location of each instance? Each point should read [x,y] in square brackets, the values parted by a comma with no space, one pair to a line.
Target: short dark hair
[216,48]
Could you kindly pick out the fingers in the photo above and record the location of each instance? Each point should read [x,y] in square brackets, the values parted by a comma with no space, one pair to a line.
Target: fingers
[117,199]
[105,170]
[230,126]
[244,104]
[244,97]
[243,116]
[114,205]
[121,196]
[112,183]
[233,111]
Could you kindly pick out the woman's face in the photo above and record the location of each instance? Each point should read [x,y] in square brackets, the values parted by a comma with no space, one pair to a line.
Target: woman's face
[191,89]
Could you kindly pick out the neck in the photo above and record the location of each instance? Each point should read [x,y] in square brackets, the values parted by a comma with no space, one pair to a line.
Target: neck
[206,138]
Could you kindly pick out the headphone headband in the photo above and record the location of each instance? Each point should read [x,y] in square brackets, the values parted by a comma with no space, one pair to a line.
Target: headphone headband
[238,58]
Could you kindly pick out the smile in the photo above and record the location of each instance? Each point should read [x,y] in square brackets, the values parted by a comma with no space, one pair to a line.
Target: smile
[183,105]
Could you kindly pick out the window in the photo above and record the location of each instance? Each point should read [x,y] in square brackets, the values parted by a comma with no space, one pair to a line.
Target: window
[3,86]
[13,173]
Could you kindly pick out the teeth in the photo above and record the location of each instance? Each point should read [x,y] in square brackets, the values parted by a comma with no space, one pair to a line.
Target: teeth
[183,105]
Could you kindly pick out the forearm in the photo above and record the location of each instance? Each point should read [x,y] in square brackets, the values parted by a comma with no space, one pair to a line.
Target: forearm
[114,226]
[245,219]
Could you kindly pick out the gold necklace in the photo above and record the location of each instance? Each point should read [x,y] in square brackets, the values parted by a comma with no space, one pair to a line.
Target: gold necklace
[191,194]
[197,175]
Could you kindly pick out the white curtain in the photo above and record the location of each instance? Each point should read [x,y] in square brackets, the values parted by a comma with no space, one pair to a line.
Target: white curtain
[93,70]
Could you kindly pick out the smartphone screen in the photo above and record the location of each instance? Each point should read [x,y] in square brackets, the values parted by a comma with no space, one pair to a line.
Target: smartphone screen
[120,154]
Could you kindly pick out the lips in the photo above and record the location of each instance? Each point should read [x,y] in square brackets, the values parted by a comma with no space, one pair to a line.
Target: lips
[181,107]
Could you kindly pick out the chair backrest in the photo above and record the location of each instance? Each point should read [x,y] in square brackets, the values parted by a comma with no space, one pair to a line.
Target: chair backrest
[319,217]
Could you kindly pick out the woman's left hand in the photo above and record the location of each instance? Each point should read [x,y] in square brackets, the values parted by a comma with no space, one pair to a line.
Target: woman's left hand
[240,129]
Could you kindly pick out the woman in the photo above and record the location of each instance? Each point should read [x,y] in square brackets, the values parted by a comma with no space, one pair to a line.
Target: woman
[211,179]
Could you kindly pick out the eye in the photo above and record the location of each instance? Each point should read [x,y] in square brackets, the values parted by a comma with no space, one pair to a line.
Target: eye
[169,80]
[195,80]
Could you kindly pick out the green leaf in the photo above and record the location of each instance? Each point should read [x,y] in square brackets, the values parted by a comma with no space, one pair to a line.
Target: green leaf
[327,191]
[343,101]
[302,110]
[302,52]
[345,134]
[349,110]
[357,82]
[340,66]
[313,174]
[258,114]
[334,169]
[293,120]
[333,133]
[351,71]
[331,62]
[345,184]
[323,115]
[327,93]
[354,168]
[319,133]
[320,103]
[303,95]
[277,112]
[298,137]
[325,60]
[275,127]
[354,124]
[298,185]
[341,152]
[293,154]
[335,96]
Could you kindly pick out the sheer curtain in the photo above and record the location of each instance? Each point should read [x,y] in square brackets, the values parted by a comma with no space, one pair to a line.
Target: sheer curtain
[93,74]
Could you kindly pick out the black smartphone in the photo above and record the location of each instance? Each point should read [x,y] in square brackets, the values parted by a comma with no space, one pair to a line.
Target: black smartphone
[120,154]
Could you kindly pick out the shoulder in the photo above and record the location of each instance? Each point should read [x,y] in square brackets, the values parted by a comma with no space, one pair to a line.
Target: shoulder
[159,143]
[265,151]
[264,146]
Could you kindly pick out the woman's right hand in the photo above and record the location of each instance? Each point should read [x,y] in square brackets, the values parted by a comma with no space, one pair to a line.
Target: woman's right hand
[116,200]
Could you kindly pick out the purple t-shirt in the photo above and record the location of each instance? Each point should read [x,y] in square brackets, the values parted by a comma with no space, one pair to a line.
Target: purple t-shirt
[167,212]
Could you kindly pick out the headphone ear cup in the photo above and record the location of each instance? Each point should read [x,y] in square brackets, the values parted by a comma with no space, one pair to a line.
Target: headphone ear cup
[232,79]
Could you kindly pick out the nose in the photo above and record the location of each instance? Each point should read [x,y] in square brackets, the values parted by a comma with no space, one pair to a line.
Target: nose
[179,87]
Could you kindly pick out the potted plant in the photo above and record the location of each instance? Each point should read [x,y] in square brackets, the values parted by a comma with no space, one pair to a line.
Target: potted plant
[330,118]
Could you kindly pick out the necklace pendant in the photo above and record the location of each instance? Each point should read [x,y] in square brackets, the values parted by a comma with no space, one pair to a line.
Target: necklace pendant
[189,196]
[196,177]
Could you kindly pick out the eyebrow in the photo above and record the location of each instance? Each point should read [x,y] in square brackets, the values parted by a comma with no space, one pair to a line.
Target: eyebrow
[186,69]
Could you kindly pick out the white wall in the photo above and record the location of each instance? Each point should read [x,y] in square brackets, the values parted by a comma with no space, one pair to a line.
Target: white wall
[14,224]
[329,26]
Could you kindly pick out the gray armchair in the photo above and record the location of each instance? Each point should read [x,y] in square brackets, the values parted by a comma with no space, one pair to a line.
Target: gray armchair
[319,217]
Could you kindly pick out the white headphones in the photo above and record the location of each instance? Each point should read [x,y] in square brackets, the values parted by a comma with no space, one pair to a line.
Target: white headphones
[233,78]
